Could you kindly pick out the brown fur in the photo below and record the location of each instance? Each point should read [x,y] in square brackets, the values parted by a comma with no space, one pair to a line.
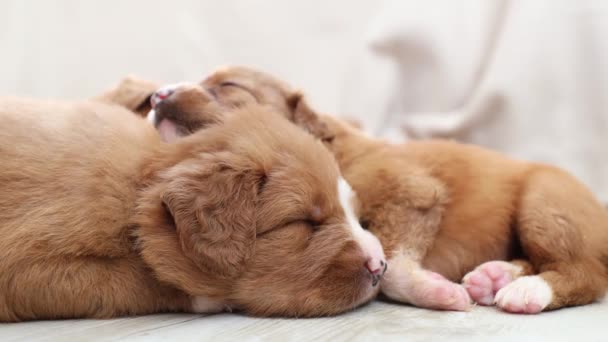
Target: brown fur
[101,219]
[450,207]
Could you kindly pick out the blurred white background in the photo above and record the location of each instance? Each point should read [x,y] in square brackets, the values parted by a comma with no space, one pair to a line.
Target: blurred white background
[74,49]
[528,78]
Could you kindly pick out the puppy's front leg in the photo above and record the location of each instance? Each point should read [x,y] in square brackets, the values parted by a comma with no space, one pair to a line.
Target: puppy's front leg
[407,234]
[407,282]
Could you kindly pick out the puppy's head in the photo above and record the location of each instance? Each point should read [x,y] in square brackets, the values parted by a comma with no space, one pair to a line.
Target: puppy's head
[252,211]
[186,105]
[239,86]
[181,109]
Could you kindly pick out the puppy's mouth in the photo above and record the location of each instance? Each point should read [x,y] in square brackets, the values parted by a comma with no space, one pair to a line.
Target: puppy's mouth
[167,128]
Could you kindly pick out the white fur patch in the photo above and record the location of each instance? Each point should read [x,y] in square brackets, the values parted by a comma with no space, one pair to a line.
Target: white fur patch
[366,240]
[205,305]
[170,88]
[151,117]
[530,294]
[346,195]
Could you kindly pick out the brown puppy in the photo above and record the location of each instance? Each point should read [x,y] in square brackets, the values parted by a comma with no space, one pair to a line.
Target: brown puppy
[443,208]
[529,236]
[100,218]
[231,87]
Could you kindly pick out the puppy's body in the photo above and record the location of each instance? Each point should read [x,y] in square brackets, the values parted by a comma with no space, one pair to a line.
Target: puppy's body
[447,210]
[481,198]
[65,215]
[101,219]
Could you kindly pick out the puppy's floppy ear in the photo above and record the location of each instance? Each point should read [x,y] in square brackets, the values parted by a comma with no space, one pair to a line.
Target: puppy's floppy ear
[212,201]
[305,117]
[132,93]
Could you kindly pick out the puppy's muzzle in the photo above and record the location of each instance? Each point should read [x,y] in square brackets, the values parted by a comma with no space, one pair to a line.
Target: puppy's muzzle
[161,94]
[376,269]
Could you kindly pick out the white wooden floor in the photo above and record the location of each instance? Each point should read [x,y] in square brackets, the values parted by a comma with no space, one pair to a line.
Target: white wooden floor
[375,322]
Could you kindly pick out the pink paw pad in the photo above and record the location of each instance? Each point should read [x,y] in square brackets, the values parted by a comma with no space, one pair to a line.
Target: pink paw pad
[486,280]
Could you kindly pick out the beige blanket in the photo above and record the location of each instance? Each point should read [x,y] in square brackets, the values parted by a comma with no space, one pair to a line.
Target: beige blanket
[528,78]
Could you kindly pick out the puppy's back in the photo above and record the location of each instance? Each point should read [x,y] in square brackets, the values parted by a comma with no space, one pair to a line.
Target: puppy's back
[67,167]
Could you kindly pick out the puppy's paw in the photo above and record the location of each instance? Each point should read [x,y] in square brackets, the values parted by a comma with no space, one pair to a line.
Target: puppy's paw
[529,295]
[205,305]
[433,291]
[488,278]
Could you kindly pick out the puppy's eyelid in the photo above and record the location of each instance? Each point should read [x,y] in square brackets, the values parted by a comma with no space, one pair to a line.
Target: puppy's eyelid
[241,87]
[314,224]
[230,84]
[328,140]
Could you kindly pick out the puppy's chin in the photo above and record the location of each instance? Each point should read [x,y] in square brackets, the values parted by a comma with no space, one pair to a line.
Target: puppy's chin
[167,129]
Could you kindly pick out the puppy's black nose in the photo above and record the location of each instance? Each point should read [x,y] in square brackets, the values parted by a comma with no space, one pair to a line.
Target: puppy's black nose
[160,95]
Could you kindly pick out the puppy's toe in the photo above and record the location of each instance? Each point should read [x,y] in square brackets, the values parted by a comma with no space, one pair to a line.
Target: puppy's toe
[483,282]
[529,295]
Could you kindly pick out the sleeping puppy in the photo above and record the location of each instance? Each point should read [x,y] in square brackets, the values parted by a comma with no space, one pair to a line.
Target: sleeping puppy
[527,237]
[230,87]
[101,219]
[524,236]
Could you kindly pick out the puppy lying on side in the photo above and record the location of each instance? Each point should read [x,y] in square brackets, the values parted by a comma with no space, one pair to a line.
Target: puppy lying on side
[525,236]
[100,218]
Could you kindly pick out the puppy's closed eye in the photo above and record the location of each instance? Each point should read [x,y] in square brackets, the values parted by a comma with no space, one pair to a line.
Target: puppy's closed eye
[328,140]
[314,226]
[233,93]
[231,84]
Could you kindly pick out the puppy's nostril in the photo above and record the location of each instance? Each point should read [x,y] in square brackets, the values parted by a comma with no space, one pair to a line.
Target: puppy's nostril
[160,95]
